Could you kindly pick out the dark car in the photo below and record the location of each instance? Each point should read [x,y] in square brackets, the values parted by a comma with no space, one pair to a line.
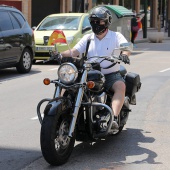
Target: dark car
[16,40]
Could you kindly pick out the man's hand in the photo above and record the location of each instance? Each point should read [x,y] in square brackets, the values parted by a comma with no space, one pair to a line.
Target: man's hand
[58,57]
[55,56]
[124,58]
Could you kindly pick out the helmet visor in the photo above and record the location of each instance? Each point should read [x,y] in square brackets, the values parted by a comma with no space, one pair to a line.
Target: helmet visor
[99,16]
[96,20]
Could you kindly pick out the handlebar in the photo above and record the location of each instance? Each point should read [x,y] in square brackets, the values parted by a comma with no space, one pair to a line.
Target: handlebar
[112,58]
[128,46]
[53,56]
[56,56]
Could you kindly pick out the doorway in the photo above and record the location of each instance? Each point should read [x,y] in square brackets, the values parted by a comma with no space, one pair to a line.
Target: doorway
[42,8]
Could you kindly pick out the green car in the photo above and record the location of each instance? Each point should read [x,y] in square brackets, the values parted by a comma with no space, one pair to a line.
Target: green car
[74,26]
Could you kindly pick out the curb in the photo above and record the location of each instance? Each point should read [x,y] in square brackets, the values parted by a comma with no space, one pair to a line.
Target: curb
[146,40]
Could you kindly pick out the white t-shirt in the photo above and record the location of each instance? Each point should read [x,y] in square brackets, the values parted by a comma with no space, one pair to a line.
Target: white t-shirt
[104,47]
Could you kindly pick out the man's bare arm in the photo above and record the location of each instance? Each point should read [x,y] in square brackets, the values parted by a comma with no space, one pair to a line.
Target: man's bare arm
[70,53]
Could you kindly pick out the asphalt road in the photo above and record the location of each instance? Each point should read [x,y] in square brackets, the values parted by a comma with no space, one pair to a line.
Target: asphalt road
[143,144]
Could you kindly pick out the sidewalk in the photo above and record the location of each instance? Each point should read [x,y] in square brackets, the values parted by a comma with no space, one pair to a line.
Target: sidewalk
[140,38]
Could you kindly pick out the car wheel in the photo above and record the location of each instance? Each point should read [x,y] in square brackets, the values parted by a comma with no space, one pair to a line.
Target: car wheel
[25,63]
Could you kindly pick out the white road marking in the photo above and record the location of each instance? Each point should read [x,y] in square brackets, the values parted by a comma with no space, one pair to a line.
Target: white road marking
[53,69]
[145,49]
[36,117]
[164,70]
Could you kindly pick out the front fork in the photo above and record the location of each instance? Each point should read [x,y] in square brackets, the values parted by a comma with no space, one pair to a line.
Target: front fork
[77,104]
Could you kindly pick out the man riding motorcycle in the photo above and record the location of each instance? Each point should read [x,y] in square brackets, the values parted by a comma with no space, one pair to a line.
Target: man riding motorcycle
[102,43]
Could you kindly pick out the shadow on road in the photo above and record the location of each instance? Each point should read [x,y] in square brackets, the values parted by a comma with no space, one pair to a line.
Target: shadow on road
[116,152]
[123,149]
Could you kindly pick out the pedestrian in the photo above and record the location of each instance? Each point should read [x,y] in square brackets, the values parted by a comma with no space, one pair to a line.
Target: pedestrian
[102,43]
[136,26]
[139,18]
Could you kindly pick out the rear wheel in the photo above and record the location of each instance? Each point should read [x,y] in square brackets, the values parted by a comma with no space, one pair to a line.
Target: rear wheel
[25,63]
[56,146]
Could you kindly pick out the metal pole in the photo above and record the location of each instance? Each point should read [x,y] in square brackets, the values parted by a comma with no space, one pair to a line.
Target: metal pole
[145,20]
[169,28]
[168,8]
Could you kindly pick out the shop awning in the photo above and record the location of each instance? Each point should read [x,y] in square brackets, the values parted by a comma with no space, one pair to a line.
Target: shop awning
[120,11]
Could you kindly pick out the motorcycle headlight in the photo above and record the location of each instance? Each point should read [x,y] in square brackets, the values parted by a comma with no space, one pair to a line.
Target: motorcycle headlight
[67,73]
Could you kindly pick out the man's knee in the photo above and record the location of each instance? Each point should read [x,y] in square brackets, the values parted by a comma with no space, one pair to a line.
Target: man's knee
[119,86]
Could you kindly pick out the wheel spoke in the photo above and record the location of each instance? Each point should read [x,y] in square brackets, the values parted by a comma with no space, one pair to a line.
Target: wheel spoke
[26,60]
[62,136]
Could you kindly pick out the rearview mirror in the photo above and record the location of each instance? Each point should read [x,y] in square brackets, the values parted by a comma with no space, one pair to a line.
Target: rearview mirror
[126,46]
[33,28]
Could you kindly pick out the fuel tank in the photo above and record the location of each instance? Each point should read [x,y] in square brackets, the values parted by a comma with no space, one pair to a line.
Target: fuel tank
[97,77]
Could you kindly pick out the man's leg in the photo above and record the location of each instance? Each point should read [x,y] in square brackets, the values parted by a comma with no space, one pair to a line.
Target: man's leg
[118,98]
[132,37]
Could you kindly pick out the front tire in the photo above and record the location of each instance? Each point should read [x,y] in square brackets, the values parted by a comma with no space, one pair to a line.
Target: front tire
[25,63]
[56,146]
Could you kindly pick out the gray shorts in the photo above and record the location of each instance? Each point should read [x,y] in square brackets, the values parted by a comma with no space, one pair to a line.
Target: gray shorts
[112,78]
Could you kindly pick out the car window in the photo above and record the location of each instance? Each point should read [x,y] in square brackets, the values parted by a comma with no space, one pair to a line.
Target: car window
[60,22]
[86,22]
[15,22]
[19,17]
[5,21]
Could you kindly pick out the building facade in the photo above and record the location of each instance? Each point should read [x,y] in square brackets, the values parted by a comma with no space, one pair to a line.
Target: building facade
[36,10]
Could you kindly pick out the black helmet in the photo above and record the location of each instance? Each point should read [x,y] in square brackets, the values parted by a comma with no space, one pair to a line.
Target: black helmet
[101,13]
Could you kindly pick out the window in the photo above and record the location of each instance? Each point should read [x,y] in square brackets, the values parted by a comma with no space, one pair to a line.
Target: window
[60,22]
[86,22]
[15,22]
[20,18]
[5,21]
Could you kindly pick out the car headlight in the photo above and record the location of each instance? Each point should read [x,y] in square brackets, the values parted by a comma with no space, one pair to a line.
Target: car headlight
[67,73]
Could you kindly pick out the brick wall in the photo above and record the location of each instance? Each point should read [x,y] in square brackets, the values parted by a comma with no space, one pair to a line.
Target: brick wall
[25,7]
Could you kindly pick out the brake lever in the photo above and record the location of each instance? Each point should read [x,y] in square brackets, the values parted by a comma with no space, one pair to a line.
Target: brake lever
[51,58]
[45,61]
[116,59]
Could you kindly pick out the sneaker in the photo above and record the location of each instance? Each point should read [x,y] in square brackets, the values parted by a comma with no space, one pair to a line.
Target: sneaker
[115,125]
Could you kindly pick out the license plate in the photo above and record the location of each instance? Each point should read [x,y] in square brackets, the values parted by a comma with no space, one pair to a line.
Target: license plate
[44,48]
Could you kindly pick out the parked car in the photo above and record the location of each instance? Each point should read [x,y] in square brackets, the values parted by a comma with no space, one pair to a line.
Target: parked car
[16,40]
[74,26]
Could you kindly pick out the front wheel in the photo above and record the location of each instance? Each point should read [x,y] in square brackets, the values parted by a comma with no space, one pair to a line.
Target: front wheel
[56,146]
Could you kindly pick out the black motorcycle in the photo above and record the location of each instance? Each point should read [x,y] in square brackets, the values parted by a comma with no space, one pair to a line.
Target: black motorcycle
[80,108]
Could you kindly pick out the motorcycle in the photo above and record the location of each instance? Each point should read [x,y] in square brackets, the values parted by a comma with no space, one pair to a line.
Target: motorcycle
[80,108]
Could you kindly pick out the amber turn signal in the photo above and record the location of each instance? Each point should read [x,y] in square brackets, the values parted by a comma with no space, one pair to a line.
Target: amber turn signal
[46,81]
[90,84]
